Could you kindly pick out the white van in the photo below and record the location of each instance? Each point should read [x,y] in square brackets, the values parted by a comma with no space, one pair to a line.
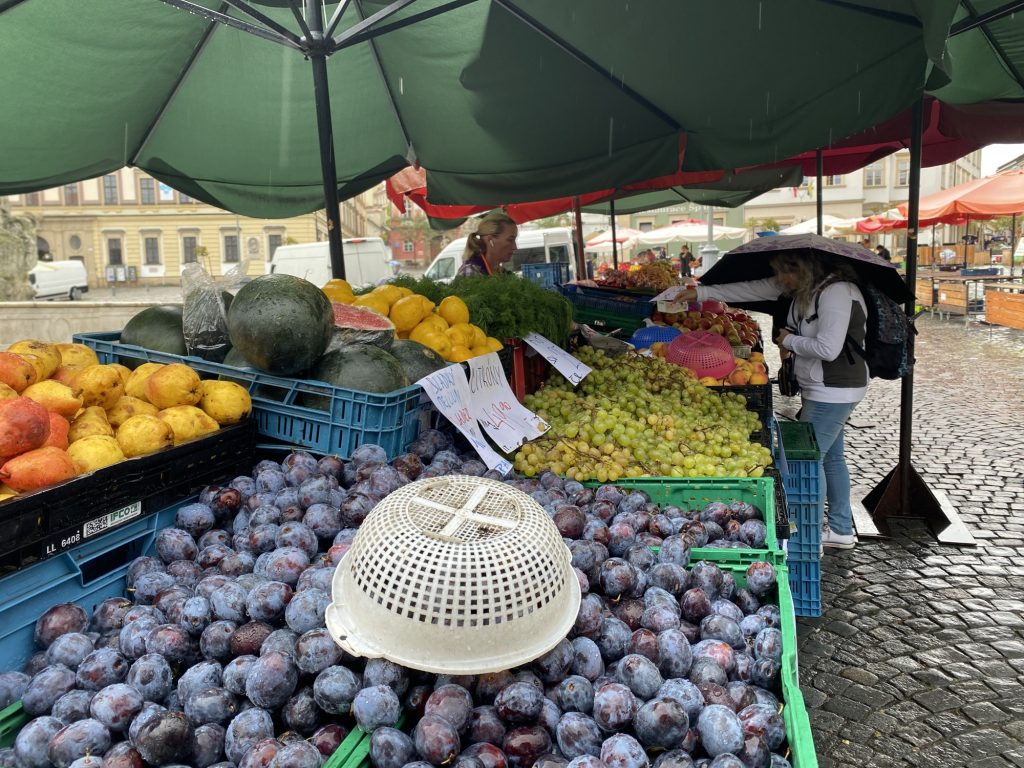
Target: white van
[366,261]
[533,246]
[59,280]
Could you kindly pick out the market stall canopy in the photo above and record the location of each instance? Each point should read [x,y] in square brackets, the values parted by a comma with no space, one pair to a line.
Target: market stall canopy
[999,195]
[832,226]
[690,231]
[625,237]
[502,100]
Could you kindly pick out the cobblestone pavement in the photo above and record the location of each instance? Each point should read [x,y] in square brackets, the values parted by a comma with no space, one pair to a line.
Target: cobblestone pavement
[918,658]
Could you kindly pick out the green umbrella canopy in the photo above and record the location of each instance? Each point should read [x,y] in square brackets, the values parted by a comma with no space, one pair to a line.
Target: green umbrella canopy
[503,100]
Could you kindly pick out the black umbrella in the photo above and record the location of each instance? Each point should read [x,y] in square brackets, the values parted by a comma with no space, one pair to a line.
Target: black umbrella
[751,261]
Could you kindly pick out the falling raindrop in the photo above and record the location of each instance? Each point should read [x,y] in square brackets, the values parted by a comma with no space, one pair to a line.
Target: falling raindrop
[611,134]
[401,86]
[858,102]
[760,9]
[767,102]
[751,129]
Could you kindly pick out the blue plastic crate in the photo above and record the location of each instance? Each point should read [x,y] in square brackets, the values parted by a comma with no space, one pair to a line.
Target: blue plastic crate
[87,575]
[653,334]
[606,301]
[803,499]
[352,418]
[805,584]
[552,275]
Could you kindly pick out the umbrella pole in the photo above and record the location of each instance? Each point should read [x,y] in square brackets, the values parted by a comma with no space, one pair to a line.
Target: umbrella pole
[325,133]
[615,245]
[1013,240]
[903,492]
[967,233]
[581,261]
[819,163]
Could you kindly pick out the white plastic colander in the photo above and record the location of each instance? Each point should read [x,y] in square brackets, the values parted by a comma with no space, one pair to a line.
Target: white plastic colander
[455,575]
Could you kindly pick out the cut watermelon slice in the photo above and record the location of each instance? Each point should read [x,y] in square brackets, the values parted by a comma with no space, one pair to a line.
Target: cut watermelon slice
[360,325]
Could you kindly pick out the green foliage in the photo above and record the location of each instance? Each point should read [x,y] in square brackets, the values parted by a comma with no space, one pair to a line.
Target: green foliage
[505,306]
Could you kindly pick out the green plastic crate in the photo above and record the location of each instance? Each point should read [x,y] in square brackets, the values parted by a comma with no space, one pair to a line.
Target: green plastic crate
[798,441]
[11,721]
[604,321]
[688,493]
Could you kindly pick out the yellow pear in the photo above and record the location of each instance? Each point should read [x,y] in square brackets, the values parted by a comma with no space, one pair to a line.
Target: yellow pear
[55,397]
[95,452]
[123,371]
[39,365]
[128,406]
[136,384]
[144,434]
[66,374]
[188,422]
[91,421]
[225,401]
[174,384]
[77,354]
[98,385]
[47,353]
[6,392]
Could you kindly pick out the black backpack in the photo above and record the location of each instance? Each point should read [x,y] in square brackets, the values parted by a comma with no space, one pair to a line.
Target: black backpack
[886,347]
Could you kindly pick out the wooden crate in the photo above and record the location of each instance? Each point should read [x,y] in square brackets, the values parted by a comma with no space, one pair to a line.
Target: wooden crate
[952,298]
[1004,308]
[925,291]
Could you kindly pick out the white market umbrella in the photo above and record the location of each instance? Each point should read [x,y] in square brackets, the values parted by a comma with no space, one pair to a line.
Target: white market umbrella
[692,232]
[602,242]
[832,226]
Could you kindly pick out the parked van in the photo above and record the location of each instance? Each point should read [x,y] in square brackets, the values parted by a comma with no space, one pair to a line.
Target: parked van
[366,261]
[533,246]
[59,280]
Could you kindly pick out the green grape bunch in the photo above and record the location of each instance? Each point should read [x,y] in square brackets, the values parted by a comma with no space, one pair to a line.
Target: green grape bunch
[636,416]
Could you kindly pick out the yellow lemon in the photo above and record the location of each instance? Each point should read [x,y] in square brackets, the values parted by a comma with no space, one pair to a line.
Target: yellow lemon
[338,290]
[403,290]
[479,337]
[459,337]
[428,305]
[459,354]
[421,331]
[374,302]
[482,349]
[453,310]
[436,321]
[493,344]
[406,313]
[389,293]
[437,342]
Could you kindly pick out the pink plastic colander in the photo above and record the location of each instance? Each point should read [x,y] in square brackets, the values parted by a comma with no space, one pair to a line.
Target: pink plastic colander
[703,352]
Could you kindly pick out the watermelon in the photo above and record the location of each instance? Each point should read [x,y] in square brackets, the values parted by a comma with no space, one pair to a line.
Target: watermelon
[360,325]
[156,328]
[417,360]
[363,367]
[279,323]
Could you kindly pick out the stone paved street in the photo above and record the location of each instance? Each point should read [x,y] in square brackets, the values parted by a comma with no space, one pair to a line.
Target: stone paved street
[918,658]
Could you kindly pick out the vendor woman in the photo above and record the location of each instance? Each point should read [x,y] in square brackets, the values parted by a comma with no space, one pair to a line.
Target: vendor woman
[490,246]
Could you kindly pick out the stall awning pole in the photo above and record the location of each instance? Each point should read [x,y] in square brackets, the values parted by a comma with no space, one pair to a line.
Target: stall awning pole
[819,163]
[615,245]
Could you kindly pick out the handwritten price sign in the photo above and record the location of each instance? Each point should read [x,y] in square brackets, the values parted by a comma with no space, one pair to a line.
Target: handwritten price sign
[567,365]
[495,406]
[449,391]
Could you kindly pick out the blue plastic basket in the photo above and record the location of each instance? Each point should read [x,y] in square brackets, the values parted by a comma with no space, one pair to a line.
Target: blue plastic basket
[596,298]
[391,420]
[652,334]
[805,584]
[551,275]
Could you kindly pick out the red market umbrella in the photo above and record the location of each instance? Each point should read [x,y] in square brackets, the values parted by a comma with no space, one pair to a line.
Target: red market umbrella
[986,198]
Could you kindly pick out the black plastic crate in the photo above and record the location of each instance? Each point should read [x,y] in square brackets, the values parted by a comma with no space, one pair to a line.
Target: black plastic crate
[52,520]
[759,397]
[781,509]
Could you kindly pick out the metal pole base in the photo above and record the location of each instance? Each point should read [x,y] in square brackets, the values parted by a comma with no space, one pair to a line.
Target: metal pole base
[884,502]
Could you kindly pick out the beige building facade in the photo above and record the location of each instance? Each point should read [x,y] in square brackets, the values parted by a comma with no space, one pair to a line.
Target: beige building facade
[129,228]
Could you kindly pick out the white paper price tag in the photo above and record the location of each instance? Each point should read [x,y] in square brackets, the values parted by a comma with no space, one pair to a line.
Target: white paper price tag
[495,406]
[448,390]
[567,365]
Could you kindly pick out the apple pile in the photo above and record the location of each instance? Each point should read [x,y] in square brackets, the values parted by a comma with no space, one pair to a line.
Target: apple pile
[737,327]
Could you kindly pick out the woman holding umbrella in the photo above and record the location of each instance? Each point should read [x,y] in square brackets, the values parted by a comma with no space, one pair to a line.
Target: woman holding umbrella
[827,310]
[490,246]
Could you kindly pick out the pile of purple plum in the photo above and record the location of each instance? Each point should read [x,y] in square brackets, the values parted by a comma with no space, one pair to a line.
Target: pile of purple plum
[219,656]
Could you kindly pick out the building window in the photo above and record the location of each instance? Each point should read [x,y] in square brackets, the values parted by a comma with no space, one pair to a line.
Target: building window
[902,172]
[231,248]
[645,226]
[273,243]
[147,192]
[75,242]
[110,190]
[873,175]
[833,181]
[151,246]
[70,194]
[32,198]
[188,249]
[114,254]
[183,198]
[407,246]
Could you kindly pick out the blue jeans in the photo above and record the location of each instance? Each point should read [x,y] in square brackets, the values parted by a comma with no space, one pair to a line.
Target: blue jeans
[828,420]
